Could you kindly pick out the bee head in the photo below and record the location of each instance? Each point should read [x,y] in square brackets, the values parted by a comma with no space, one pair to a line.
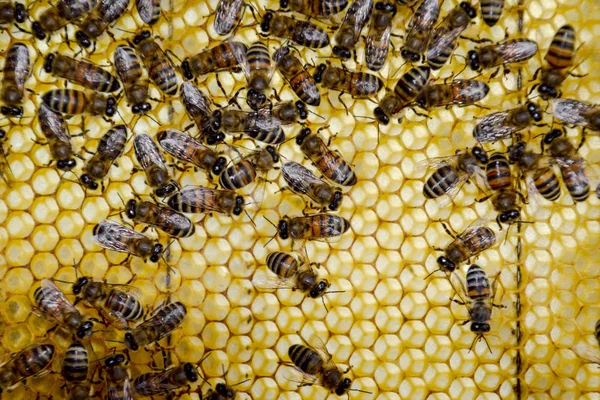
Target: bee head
[36,27]
[12,111]
[130,209]
[219,165]
[535,111]
[509,216]
[78,286]
[410,56]
[318,76]
[239,205]
[303,134]
[320,289]
[225,391]
[265,25]
[142,108]
[48,62]
[114,360]
[66,165]
[130,342]
[21,13]
[547,91]
[88,182]
[480,328]
[273,152]
[473,60]
[283,228]
[215,138]
[301,109]
[140,37]
[255,98]
[156,252]
[516,152]
[343,387]
[336,201]
[166,190]
[85,329]
[471,12]
[554,133]
[82,39]
[381,116]
[480,155]
[190,372]
[445,264]
[341,52]
[187,72]
[283,3]
[111,106]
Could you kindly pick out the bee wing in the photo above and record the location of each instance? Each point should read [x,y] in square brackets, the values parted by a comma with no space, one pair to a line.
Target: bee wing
[147,152]
[239,52]
[363,12]
[430,11]
[115,319]
[377,45]
[587,351]
[114,236]
[439,162]
[156,382]
[178,146]
[567,162]
[266,120]
[492,127]
[571,111]
[453,190]
[22,64]
[55,303]
[226,15]
[124,392]
[300,377]
[442,38]
[512,52]
[272,283]
[471,231]
[53,122]
[299,179]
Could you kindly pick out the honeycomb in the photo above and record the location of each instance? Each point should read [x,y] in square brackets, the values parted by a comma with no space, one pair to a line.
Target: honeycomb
[392,323]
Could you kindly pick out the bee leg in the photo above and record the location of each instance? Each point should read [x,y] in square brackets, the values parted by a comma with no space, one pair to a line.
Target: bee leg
[583,134]
[221,86]
[447,229]
[344,104]
[478,40]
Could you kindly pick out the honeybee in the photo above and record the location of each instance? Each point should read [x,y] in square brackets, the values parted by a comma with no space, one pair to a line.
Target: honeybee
[407,90]
[81,72]
[462,92]
[113,236]
[303,182]
[75,371]
[445,36]
[228,16]
[559,57]
[129,68]
[258,68]
[12,12]
[300,80]
[498,125]
[330,163]
[491,10]
[244,172]
[71,102]
[481,301]
[197,106]
[304,33]
[419,30]
[505,199]
[500,54]
[161,323]
[541,176]
[575,112]
[261,125]
[60,14]
[110,147]
[153,163]
[222,392]
[159,66]
[347,36]
[453,171]
[54,128]
[315,8]
[316,365]
[572,166]
[107,12]
[17,69]
[163,218]
[216,59]
[200,199]
[377,42]
[359,85]
[472,241]
[312,227]
[54,306]
[187,149]
[27,363]
[116,378]
[162,383]
[302,275]
[149,10]
[117,304]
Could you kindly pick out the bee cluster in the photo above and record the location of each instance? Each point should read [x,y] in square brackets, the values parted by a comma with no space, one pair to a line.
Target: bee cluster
[202,165]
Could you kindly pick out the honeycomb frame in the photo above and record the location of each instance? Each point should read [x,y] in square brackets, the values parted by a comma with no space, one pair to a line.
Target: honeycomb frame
[398,330]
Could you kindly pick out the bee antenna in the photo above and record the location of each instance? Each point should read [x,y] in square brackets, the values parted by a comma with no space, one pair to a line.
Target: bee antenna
[362,391]
[334,291]
[61,281]
[126,31]
[113,341]
[318,115]
[244,381]
[249,217]
[324,305]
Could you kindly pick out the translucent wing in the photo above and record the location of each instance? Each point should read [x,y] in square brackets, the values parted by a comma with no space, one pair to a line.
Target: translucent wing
[516,51]
[438,162]
[227,16]
[53,304]
[22,64]
[147,152]
[361,16]
[179,145]
[442,39]
[571,111]
[266,120]
[114,236]
[493,127]
[53,124]
[149,10]
[377,45]
[239,52]
[115,391]
[428,12]
[300,179]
